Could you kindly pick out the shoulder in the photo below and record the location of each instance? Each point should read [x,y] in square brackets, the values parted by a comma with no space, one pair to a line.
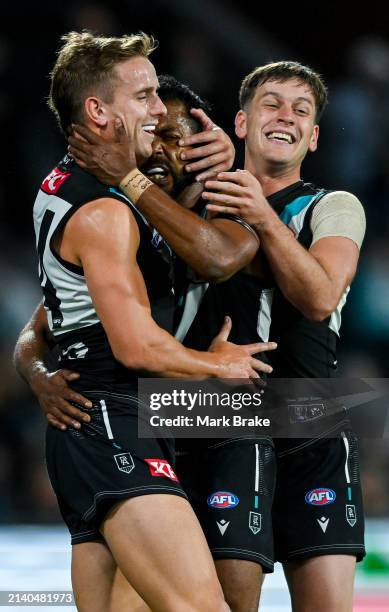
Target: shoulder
[103,210]
[339,213]
[104,220]
[71,183]
[339,203]
[340,198]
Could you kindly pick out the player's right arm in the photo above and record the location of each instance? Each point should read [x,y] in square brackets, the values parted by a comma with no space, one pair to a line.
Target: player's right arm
[214,248]
[103,238]
[50,388]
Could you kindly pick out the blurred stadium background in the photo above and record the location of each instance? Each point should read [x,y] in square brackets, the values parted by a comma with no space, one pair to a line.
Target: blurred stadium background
[211,45]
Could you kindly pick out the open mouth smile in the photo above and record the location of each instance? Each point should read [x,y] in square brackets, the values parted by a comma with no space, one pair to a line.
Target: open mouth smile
[157,171]
[283,137]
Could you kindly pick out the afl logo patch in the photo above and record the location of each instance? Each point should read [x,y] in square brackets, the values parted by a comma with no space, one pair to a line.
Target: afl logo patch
[320,497]
[223,500]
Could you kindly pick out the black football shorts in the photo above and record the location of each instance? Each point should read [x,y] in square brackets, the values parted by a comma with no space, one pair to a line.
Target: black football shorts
[93,468]
[318,500]
[230,485]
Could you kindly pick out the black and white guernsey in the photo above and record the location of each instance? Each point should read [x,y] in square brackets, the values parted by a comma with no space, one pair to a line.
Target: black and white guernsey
[71,314]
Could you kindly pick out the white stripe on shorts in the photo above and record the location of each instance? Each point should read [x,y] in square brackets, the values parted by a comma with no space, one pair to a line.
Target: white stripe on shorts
[106,419]
[256,488]
[347,447]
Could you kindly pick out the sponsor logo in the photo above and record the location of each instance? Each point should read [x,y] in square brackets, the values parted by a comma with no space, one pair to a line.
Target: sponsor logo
[320,496]
[124,462]
[255,522]
[223,500]
[161,467]
[54,180]
[351,514]
[323,522]
[222,526]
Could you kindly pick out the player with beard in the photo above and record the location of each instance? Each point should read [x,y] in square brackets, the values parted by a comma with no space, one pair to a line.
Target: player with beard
[167,169]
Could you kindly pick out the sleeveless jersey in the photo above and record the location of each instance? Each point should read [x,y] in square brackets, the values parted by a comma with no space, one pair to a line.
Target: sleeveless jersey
[260,312]
[201,307]
[83,343]
[306,348]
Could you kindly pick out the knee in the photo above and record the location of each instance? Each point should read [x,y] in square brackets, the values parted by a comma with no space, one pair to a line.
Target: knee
[238,602]
[244,597]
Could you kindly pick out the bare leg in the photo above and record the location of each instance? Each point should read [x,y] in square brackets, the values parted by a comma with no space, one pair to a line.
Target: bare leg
[93,570]
[124,597]
[241,583]
[159,546]
[322,584]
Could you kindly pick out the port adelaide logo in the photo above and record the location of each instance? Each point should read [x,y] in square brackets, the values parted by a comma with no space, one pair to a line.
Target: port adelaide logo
[222,500]
[320,496]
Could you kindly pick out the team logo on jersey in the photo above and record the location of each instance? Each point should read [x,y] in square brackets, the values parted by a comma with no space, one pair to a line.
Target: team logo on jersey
[75,351]
[54,180]
[323,522]
[222,525]
[161,467]
[255,522]
[320,497]
[351,514]
[124,462]
[223,500]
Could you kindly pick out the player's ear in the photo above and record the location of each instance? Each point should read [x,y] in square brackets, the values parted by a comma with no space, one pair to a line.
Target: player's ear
[96,111]
[314,139]
[241,124]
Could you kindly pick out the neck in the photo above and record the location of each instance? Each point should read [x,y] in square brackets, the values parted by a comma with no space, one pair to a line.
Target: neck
[272,177]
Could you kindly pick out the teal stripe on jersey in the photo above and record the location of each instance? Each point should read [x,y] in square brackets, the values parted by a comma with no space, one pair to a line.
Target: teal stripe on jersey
[119,193]
[295,207]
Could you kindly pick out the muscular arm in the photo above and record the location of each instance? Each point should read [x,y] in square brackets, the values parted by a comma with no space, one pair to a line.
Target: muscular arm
[50,388]
[215,249]
[315,280]
[103,237]
[312,280]
[33,343]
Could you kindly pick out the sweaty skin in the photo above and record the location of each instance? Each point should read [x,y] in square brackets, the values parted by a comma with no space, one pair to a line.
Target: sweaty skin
[102,237]
[176,125]
[213,249]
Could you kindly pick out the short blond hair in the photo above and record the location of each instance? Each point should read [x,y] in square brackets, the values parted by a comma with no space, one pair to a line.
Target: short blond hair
[85,66]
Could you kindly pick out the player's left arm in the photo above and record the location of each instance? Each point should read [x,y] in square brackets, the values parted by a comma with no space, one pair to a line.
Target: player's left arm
[312,280]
